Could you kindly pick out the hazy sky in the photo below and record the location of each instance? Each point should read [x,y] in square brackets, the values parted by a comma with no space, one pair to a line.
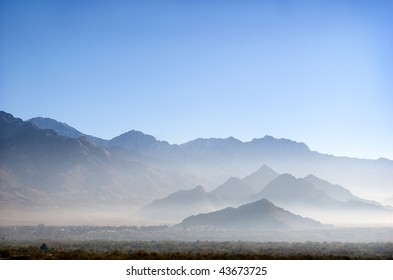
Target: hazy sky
[318,72]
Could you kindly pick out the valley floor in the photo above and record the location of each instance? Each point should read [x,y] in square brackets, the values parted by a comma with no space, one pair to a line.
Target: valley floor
[177,233]
[199,250]
[163,242]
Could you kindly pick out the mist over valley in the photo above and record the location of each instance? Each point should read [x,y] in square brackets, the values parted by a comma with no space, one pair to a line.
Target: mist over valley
[53,174]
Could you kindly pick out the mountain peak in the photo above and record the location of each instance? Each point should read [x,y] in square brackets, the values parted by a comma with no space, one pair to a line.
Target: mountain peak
[6,116]
[138,141]
[9,125]
[265,168]
[260,178]
[281,143]
[311,177]
[286,176]
[60,128]
[47,120]
[198,189]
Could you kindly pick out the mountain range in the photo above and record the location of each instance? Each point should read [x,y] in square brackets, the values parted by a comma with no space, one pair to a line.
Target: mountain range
[39,166]
[48,163]
[216,159]
[310,196]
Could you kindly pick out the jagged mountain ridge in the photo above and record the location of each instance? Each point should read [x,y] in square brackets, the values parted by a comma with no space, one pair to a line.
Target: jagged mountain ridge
[135,141]
[40,167]
[61,129]
[217,159]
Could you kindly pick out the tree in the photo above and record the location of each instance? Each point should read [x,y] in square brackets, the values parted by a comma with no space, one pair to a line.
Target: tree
[44,248]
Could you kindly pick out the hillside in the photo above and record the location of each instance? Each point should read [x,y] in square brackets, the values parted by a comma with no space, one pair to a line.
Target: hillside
[259,215]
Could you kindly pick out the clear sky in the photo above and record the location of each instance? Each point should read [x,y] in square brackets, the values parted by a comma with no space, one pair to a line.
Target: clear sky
[318,72]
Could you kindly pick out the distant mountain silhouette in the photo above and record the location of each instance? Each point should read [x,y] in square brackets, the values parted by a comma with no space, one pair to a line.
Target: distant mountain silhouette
[286,156]
[182,204]
[233,189]
[138,141]
[231,193]
[288,190]
[259,215]
[302,197]
[335,191]
[213,148]
[258,180]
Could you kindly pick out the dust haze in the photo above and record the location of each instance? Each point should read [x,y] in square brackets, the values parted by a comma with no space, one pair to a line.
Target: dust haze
[54,175]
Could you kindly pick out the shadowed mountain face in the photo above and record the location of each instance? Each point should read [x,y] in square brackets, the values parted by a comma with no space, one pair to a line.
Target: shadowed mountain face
[40,167]
[9,126]
[259,215]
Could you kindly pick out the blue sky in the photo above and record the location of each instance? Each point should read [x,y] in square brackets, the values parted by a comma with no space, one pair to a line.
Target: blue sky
[318,72]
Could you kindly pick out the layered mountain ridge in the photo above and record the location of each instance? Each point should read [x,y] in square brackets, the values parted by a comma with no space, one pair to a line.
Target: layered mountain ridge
[45,162]
[297,195]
